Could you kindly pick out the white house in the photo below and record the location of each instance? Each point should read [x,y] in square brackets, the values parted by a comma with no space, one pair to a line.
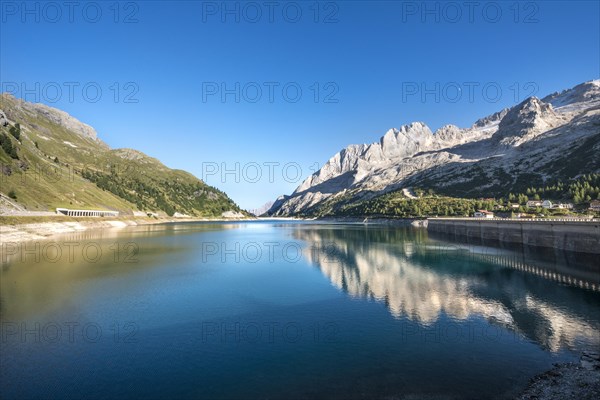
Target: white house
[534,203]
[567,206]
[547,204]
[595,205]
[524,215]
[483,214]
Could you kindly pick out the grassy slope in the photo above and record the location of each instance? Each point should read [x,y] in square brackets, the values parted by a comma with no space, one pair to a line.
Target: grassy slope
[91,175]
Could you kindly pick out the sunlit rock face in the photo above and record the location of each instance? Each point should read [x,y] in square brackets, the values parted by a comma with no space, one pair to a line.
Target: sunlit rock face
[58,117]
[525,139]
[422,281]
[526,121]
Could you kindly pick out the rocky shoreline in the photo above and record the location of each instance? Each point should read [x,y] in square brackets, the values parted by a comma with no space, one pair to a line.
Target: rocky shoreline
[577,381]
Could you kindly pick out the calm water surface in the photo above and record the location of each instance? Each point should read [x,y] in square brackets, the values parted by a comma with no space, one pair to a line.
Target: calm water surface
[294,310]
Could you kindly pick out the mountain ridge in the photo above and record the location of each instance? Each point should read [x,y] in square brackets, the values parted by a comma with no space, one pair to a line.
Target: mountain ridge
[59,161]
[537,138]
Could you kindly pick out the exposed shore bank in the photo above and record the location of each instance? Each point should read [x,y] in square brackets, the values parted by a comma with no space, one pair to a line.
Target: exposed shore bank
[579,381]
[17,230]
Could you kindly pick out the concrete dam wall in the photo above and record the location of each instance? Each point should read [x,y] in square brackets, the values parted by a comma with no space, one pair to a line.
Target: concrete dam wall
[578,236]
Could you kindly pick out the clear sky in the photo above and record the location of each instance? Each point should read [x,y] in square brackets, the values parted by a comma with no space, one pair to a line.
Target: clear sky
[253,96]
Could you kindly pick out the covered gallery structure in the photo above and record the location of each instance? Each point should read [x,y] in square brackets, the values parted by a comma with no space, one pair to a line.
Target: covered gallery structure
[87,213]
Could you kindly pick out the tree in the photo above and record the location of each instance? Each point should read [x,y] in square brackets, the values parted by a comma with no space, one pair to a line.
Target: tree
[16,131]
[7,146]
[12,195]
[522,199]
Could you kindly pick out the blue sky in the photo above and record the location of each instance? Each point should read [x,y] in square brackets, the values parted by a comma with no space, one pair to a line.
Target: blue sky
[252,97]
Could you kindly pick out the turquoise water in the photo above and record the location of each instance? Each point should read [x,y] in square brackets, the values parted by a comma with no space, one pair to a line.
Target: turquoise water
[285,310]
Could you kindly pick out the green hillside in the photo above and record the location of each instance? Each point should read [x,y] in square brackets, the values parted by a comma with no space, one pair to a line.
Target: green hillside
[45,165]
[429,203]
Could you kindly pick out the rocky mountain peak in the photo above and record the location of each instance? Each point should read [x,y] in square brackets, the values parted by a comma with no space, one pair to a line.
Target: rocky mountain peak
[448,133]
[490,119]
[584,92]
[526,119]
[528,138]
[407,140]
[528,108]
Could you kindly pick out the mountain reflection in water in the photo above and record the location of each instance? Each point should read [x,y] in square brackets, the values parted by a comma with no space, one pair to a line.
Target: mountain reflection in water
[421,279]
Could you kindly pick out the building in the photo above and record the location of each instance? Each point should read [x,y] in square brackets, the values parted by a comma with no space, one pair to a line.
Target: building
[595,205]
[567,206]
[145,214]
[87,213]
[548,204]
[483,214]
[524,215]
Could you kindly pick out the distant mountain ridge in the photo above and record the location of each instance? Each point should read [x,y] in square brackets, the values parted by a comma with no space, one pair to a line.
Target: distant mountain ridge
[531,143]
[59,161]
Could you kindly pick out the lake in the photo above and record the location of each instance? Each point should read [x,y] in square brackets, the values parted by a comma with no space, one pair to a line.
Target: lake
[280,310]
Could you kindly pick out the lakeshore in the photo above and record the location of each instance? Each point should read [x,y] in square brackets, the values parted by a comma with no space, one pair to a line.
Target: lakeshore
[36,227]
[567,381]
[27,228]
